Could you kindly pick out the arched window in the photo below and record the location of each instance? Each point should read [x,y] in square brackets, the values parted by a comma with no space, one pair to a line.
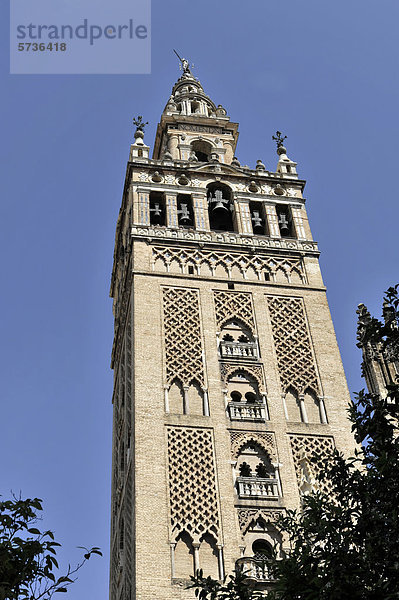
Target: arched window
[256,475]
[236,340]
[262,550]
[243,387]
[220,207]
[202,150]
[253,457]
[250,397]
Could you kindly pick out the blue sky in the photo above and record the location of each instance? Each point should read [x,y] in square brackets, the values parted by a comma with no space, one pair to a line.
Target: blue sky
[326,74]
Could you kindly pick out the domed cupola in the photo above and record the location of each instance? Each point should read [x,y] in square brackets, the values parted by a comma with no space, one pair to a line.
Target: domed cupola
[188,97]
[192,127]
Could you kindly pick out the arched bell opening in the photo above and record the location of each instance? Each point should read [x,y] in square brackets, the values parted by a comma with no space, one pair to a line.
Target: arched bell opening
[220,207]
[285,221]
[185,213]
[202,150]
[258,218]
[157,208]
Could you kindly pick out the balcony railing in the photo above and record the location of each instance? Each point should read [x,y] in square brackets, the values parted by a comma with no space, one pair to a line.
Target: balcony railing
[247,350]
[250,487]
[255,569]
[241,411]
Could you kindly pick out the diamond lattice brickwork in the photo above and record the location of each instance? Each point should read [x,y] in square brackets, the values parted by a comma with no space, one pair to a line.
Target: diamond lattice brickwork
[192,482]
[183,341]
[292,342]
[234,305]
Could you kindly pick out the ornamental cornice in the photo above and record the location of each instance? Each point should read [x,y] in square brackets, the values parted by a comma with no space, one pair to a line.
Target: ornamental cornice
[252,243]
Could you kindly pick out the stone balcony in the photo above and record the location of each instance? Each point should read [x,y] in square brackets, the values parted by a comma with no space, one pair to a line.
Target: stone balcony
[247,351]
[240,411]
[257,487]
[255,569]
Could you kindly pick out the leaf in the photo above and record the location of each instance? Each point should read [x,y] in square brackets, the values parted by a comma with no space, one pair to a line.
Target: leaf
[34,531]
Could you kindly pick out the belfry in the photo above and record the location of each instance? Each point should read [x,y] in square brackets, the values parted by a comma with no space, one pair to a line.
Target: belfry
[227,370]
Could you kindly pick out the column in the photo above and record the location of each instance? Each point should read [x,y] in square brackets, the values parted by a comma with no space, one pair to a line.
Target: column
[220,561]
[166,397]
[264,400]
[172,558]
[272,221]
[304,414]
[171,209]
[298,223]
[172,146]
[323,414]
[196,546]
[285,407]
[245,214]
[200,206]
[186,408]
[205,402]
[141,207]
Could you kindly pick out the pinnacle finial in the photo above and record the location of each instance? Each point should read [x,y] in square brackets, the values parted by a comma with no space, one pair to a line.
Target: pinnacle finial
[184,64]
[279,139]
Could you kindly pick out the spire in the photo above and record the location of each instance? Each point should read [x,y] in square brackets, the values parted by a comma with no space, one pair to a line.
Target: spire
[138,149]
[188,96]
[363,320]
[285,166]
[192,127]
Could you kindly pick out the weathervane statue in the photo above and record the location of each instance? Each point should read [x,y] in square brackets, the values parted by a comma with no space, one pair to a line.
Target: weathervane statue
[184,64]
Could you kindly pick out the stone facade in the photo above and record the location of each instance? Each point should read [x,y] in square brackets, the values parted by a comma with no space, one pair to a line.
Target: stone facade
[227,370]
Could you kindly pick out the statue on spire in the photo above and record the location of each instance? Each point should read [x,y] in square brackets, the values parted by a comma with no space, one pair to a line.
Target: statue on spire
[184,64]
[279,139]
[139,123]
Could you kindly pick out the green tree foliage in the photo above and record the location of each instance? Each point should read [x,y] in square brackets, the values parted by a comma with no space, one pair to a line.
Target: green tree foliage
[345,544]
[28,562]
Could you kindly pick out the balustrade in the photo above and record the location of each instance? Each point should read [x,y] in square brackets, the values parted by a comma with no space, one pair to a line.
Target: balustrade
[249,487]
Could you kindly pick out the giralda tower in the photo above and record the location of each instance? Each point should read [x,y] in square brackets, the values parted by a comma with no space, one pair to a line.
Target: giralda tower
[227,369]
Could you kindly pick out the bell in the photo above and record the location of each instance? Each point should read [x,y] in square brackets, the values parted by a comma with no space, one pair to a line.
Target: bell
[184,215]
[218,201]
[157,211]
[283,223]
[257,222]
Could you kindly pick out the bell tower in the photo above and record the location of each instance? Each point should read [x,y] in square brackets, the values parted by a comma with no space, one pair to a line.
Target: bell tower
[227,370]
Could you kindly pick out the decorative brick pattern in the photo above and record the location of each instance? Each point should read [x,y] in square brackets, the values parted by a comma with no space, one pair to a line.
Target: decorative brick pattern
[306,446]
[234,305]
[265,440]
[249,265]
[249,516]
[292,342]
[183,341]
[192,482]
